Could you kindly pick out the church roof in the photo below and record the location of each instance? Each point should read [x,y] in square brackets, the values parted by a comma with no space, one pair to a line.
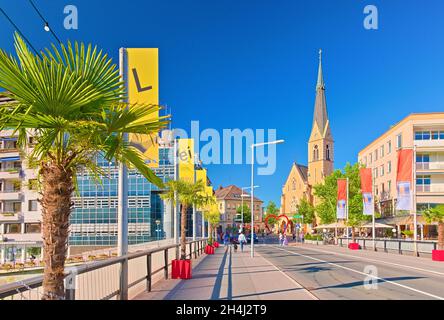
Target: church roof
[320,112]
[303,171]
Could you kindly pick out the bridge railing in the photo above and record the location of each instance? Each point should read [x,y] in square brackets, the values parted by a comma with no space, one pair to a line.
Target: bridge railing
[393,245]
[105,280]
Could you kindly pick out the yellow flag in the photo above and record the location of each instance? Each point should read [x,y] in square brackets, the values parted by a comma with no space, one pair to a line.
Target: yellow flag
[186,160]
[142,74]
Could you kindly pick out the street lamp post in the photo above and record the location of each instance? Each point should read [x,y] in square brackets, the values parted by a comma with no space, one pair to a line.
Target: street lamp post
[252,187]
[242,203]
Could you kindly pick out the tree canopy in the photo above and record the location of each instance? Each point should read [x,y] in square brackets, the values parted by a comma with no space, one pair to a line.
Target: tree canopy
[328,191]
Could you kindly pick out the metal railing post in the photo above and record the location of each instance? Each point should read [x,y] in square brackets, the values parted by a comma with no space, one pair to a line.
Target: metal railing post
[400,247]
[195,250]
[148,269]
[385,245]
[177,252]
[70,286]
[165,258]
[191,250]
[123,292]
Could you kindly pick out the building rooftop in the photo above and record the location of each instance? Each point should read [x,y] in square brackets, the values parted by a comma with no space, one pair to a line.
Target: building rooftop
[231,193]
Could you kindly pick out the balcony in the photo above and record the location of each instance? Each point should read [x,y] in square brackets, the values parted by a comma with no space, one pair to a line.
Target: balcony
[430,167]
[10,173]
[10,216]
[11,195]
[430,189]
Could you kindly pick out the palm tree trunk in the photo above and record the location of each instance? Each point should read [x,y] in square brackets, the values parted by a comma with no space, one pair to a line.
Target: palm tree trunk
[56,204]
[441,236]
[183,233]
[210,235]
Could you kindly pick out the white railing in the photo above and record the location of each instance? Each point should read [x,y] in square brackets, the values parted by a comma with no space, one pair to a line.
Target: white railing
[392,245]
[104,280]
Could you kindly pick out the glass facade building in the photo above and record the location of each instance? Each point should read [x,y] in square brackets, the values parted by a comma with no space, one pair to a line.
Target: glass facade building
[94,218]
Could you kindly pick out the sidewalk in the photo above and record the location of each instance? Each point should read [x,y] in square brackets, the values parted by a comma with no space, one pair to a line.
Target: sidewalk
[230,276]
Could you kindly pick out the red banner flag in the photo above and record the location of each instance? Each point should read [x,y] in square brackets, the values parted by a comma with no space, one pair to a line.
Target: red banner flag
[367,191]
[404,179]
[366,180]
[405,165]
[342,199]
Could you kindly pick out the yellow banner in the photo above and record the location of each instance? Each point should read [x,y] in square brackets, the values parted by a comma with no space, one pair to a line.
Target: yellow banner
[186,160]
[143,88]
[201,175]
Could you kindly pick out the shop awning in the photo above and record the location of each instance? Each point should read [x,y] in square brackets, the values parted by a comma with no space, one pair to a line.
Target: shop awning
[8,139]
[377,225]
[9,159]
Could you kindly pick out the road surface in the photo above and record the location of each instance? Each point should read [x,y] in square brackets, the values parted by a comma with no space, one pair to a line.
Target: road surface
[333,273]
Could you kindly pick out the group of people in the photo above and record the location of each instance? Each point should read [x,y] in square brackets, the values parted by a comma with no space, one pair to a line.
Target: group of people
[283,240]
[228,240]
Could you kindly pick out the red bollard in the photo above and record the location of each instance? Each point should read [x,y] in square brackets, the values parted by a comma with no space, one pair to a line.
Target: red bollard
[438,255]
[354,246]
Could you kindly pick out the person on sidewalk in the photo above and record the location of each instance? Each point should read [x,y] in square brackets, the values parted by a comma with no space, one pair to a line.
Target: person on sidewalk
[226,240]
[242,241]
[285,241]
[280,239]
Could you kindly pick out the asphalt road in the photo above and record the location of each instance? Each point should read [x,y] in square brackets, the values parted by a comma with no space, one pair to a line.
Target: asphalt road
[340,275]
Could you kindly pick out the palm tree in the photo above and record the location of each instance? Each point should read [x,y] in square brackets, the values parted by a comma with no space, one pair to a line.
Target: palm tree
[187,194]
[69,99]
[212,215]
[437,215]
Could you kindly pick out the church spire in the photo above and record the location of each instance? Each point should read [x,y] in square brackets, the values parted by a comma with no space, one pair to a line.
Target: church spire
[320,84]
[320,113]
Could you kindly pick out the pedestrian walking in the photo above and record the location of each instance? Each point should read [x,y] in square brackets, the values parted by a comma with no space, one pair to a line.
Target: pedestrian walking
[226,240]
[285,241]
[280,239]
[242,241]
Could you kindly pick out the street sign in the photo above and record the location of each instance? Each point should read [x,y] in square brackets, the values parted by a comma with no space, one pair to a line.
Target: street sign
[298,216]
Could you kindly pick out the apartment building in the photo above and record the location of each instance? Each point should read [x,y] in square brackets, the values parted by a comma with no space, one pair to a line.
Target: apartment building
[20,212]
[229,199]
[425,133]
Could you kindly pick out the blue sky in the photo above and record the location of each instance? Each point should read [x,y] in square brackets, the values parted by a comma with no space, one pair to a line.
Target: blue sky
[253,64]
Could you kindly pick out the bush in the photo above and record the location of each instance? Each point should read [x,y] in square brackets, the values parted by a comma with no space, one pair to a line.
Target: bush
[308,236]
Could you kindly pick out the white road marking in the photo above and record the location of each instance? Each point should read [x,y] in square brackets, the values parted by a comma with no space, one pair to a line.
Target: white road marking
[362,273]
[374,260]
[289,278]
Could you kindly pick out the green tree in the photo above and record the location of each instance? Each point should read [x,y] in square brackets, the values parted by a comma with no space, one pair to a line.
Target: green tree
[272,208]
[327,195]
[187,194]
[306,209]
[247,213]
[69,97]
[437,215]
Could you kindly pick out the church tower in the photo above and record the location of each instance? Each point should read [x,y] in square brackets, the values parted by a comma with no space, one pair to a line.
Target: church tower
[321,144]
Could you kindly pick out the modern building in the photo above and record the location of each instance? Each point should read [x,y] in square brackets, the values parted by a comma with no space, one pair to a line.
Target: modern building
[302,179]
[425,133]
[20,212]
[229,199]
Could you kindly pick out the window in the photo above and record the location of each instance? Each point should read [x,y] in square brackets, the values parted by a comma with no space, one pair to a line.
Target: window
[328,152]
[316,153]
[371,157]
[376,155]
[389,167]
[375,172]
[382,151]
[33,228]
[13,228]
[435,135]
[32,205]
[17,207]
[382,170]
[422,161]
[389,190]
[441,135]
[399,141]
[423,183]
[389,147]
